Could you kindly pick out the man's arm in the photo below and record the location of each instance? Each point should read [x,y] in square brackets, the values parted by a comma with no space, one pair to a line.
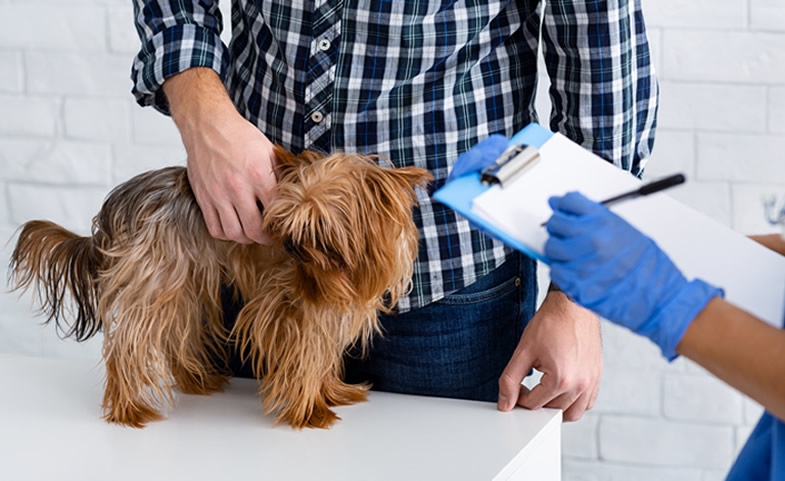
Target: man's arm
[603,88]
[562,341]
[741,350]
[230,162]
[179,70]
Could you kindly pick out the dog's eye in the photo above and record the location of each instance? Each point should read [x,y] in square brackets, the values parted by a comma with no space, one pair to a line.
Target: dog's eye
[295,250]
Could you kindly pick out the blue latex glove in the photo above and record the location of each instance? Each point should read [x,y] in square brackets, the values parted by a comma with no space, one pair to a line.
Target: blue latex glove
[608,266]
[479,157]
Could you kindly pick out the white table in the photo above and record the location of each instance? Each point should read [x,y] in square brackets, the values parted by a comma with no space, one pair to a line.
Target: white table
[50,429]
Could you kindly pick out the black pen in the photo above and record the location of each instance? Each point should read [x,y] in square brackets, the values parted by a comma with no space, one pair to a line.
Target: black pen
[650,188]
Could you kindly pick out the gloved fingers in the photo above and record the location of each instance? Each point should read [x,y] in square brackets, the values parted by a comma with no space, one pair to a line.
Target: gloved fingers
[588,254]
[468,161]
[587,279]
[577,204]
[578,284]
[635,258]
[567,249]
[480,156]
[566,225]
[608,286]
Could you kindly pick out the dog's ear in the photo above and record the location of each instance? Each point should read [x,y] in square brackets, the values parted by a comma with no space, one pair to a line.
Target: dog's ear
[412,176]
[285,160]
[392,186]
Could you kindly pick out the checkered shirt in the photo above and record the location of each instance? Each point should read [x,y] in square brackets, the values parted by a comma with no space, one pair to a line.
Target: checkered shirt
[419,82]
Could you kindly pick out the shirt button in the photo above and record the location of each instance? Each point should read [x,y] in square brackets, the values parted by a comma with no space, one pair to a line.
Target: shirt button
[317,117]
[324,45]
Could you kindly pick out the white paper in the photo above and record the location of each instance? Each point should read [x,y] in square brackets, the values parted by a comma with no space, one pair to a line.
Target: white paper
[753,277]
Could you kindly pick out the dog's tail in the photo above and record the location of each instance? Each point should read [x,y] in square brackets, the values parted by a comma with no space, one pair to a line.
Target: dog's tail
[57,263]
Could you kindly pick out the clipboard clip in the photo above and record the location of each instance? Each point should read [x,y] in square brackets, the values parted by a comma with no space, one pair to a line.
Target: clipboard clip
[513,162]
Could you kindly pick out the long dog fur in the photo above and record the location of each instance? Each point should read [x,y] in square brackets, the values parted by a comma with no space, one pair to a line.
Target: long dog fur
[150,275]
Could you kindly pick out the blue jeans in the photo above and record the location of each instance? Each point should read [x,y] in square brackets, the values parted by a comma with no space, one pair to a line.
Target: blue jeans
[456,347]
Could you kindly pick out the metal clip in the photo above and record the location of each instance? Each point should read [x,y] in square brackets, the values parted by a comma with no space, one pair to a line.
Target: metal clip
[510,165]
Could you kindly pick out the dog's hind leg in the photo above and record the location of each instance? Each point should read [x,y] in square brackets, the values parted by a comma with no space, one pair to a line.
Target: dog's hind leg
[160,297]
[199,362]
[158,348]
[160,342]
[122,402]
[139,382]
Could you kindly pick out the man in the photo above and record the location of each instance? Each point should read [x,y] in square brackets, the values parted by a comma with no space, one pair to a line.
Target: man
[418,82]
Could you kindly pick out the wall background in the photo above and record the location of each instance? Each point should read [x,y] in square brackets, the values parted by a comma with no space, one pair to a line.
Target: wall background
[70,130]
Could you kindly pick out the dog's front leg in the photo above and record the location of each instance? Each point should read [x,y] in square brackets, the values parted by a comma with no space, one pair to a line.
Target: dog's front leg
[297,351]
[301,396]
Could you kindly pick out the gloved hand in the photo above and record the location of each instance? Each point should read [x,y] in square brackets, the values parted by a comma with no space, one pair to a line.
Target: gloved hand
[608,266]
[479,157]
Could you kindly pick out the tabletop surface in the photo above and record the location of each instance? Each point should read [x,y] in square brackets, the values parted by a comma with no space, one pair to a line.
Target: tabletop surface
[50,428]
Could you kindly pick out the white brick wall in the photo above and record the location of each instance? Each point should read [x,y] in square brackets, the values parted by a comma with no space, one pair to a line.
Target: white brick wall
[11,72]
[69,131]
[662,443]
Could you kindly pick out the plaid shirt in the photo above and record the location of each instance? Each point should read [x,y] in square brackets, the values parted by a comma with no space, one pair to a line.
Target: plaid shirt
[419,82]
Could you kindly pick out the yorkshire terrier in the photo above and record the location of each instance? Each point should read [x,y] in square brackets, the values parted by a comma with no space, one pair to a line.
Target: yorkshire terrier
[150,276]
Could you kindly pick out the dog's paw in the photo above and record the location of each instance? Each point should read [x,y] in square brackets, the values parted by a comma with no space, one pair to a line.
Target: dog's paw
[338,393]
[133,416]
[299,415]
[322,417]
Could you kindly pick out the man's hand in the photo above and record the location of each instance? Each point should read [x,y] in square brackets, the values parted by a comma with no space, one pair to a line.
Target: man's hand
[230,162]
[563,342]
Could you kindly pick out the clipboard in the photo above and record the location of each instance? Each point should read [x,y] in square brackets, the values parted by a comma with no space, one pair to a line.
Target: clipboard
[459,194]
[753,277]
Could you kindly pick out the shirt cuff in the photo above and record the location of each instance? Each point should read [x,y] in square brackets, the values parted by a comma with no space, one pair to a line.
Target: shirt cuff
[171,51]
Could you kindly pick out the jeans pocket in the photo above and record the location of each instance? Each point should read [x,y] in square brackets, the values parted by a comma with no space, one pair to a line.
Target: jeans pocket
[459,298]
[501,281]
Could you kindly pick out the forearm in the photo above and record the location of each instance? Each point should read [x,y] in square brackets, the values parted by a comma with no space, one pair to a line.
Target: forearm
[741,350]
[195,95]
[774,242]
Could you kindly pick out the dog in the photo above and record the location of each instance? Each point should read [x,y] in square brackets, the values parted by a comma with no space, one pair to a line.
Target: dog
[150,276]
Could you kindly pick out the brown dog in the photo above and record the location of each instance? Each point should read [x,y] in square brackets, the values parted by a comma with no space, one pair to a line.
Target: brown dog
[150,275]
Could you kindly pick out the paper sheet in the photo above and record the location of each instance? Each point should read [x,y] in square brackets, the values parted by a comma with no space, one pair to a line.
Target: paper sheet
[564,166]
[753,277]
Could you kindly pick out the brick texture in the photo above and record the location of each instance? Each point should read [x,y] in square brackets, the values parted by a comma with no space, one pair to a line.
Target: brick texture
[70,131]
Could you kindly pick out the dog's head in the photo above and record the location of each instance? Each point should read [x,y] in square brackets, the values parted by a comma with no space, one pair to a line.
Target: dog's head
[347,223]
